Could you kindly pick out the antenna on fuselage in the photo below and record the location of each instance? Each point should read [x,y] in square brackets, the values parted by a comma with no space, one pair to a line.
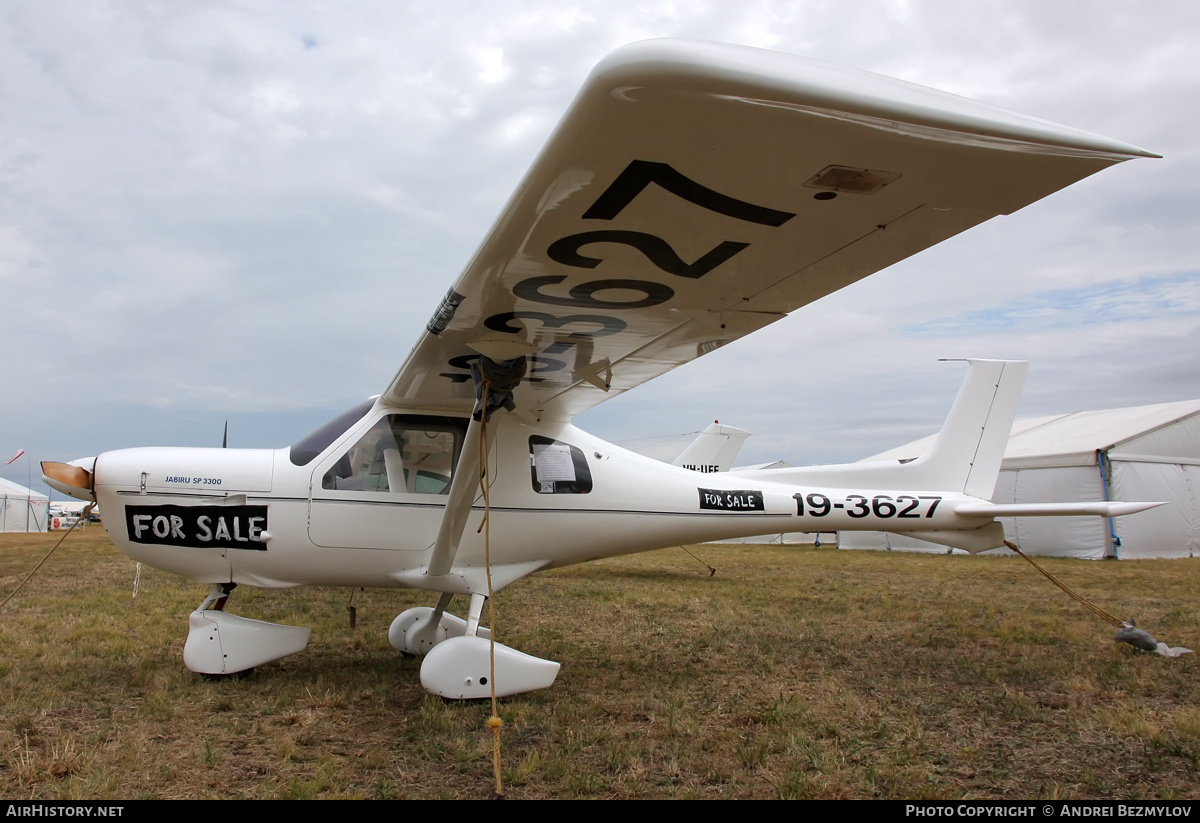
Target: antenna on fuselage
[225,436]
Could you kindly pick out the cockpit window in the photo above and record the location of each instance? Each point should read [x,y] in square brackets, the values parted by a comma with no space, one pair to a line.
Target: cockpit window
[303,451]
[401,453]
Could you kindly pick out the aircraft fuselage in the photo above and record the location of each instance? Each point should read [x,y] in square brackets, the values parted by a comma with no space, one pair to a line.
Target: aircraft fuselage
[558,496]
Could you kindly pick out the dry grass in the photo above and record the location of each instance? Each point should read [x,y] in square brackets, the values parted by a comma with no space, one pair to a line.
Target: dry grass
[793,673]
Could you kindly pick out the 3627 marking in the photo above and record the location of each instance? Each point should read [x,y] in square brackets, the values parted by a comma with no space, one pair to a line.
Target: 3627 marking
[906,506]
[548,290]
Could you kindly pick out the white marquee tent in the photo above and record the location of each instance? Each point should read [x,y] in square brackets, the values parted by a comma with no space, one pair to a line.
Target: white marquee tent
[1143,453]
[22,509]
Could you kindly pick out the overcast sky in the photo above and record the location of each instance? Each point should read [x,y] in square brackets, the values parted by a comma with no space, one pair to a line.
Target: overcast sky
[248,210]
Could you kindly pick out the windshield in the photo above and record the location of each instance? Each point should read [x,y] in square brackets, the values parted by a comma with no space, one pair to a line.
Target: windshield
[303,451]
[402,453]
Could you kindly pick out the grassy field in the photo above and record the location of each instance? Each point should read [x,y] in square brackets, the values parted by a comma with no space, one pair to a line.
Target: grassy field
[792,673]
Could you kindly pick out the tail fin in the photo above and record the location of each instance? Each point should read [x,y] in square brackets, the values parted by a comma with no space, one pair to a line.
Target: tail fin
[966,455]
[713,450]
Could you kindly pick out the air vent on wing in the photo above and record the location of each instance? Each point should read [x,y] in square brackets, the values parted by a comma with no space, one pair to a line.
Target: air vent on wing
[851,180]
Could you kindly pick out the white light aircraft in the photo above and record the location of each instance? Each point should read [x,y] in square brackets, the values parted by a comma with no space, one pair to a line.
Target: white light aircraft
[692,194]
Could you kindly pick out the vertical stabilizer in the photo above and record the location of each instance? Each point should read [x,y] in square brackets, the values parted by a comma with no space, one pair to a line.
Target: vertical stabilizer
[968,451]
[965,456]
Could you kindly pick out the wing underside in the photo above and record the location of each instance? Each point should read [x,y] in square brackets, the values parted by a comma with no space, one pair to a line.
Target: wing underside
[694,193]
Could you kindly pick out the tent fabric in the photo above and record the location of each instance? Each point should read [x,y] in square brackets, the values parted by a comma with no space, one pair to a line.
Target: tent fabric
[1152,452]
[1082,537]
[1165,429]
[787,538]
[1178,441]
[889,541]
[22,509]
[1168,531]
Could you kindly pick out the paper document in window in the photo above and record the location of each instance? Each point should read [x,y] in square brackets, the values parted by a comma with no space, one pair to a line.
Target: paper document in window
[553,463]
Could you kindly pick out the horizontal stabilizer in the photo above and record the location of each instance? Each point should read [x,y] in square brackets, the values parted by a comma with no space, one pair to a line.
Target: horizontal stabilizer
[975,509]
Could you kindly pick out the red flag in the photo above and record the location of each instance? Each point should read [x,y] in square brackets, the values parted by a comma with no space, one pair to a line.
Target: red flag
[15,456]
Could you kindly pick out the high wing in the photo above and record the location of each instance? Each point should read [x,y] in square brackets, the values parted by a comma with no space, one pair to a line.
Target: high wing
[696,192]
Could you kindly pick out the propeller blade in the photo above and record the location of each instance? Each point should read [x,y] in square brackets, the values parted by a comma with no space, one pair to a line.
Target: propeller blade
[69,478]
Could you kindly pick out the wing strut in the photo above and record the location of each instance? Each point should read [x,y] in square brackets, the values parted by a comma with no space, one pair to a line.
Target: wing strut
[494,385]
[463,488]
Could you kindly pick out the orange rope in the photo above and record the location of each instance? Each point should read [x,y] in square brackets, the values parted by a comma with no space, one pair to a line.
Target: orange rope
[494,722]
[82,516]
[1096,610]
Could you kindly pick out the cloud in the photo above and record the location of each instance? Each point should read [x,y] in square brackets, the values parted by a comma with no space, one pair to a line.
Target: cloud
[1157,300]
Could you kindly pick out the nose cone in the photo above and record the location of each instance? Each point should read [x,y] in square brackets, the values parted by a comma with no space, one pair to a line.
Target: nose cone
[75,478]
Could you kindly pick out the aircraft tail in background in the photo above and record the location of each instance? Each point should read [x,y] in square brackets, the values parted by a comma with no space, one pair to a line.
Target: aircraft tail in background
[713,450]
